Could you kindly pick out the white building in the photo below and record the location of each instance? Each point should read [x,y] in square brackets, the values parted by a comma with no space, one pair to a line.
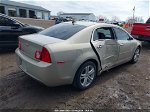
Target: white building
[17,9]
[79,16]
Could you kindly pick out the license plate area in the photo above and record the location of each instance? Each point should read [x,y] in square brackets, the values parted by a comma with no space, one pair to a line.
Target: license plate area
[23,65]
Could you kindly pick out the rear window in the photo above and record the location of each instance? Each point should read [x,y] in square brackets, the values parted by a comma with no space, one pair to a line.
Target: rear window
[148,21]
[62,30]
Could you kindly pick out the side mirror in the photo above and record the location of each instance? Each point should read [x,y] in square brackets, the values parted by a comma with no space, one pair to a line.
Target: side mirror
[130,38]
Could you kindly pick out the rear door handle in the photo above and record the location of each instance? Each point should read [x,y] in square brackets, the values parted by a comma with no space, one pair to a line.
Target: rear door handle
[99,47]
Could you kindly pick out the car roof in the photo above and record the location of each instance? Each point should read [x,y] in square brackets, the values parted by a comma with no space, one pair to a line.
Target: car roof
[89,23]
[86,32]
[85,23]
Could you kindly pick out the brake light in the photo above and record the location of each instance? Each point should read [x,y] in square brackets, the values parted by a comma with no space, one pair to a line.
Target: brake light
[19,43]
[43,55]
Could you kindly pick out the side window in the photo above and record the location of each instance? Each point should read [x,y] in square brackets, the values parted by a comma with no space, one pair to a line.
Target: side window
[5,21]
[120,34]
[95,35]
[103,33]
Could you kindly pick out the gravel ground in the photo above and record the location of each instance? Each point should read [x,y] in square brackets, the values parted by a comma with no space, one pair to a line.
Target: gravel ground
[124,87]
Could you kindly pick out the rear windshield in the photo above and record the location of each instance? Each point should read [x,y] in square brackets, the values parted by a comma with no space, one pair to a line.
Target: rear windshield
[62,30]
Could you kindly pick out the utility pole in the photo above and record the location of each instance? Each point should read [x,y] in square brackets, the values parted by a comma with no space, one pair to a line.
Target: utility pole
[133,20]
[133,12]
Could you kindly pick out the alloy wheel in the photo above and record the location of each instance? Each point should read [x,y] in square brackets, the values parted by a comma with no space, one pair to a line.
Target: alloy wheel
[87,76]
[136,55]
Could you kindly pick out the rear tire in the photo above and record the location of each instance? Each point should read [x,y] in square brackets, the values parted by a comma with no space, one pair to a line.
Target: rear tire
[136,56]
[85,75]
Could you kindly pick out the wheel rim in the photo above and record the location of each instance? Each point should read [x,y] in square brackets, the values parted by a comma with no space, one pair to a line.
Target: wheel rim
[87,75]
[136,55]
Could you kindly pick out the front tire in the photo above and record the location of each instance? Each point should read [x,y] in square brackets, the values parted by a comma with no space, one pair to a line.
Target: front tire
[136,56]
[85,75]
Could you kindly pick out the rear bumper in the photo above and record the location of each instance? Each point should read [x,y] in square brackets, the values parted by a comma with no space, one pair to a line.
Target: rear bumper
[44,72]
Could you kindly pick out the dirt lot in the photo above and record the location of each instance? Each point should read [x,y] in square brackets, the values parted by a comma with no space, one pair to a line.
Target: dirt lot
[124,87]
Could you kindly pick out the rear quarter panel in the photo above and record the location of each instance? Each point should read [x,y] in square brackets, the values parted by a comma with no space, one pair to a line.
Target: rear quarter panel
[73,55]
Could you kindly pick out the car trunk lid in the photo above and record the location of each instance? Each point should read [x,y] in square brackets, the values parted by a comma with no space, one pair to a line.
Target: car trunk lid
[32,43]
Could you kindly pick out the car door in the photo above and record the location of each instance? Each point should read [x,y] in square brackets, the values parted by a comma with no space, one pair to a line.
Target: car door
[9,32]
[124,44]
[106,46]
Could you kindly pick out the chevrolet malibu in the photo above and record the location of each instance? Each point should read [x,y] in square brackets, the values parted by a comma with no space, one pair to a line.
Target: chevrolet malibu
[75,53]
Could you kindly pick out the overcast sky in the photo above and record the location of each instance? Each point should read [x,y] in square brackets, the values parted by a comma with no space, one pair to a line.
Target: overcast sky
[108,8]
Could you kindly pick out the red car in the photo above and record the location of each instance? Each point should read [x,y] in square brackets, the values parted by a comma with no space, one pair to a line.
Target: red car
[142,31]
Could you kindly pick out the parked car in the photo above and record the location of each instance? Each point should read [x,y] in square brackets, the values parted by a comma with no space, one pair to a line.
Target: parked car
[10,29]
[141,31]
[58,20]
[75,53]
[115,23]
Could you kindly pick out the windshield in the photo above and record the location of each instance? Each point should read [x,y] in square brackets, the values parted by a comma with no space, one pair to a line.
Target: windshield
[62,30]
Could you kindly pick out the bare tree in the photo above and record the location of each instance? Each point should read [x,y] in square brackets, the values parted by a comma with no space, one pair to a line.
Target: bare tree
[137,19]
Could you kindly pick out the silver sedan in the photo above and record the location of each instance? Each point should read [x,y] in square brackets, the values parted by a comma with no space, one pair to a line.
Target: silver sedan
[75,53]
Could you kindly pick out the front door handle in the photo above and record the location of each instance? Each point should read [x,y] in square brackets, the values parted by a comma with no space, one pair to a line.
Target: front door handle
[99,47]
[148,27]
[121,44]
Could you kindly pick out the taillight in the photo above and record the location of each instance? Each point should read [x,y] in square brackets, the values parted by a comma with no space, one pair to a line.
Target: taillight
[19,43]
[43,55]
